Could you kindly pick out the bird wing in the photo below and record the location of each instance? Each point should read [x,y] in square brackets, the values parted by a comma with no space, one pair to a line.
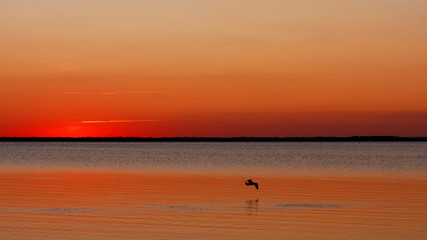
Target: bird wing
[256,185]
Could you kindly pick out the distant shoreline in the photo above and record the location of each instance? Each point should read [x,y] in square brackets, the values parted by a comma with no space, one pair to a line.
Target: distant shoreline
[217,139]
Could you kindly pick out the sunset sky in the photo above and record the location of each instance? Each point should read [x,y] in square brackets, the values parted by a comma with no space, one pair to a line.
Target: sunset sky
[218,68]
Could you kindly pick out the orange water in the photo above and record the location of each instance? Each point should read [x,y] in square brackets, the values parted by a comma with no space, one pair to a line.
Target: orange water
[79,204]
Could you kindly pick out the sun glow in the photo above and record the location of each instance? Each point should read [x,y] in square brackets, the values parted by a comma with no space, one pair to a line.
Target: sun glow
[276,68]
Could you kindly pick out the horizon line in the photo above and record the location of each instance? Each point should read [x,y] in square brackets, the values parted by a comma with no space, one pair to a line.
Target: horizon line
[219,139]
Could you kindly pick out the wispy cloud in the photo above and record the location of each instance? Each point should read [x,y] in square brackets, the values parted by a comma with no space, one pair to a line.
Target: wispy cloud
[118,92]
[120,121]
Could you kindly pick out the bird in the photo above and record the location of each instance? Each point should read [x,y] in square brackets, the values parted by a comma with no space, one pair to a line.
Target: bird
[250,182]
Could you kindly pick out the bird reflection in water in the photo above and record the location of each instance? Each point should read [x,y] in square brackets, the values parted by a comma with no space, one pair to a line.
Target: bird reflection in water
[252,206]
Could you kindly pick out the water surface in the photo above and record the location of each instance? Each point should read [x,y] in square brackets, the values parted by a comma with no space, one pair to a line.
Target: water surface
[196,191]
[242,157]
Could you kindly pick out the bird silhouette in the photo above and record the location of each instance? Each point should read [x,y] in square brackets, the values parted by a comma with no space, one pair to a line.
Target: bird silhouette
[250,182]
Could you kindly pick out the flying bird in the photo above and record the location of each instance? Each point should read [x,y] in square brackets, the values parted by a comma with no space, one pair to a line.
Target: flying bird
[249,182]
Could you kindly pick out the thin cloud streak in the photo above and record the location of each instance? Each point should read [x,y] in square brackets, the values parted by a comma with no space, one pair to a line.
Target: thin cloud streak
[119,121]
[118,92]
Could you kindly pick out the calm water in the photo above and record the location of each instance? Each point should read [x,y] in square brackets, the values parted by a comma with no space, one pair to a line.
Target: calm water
[196,191]
[251,158]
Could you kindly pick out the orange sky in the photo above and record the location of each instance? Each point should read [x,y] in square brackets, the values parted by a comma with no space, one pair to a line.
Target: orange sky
[213,68]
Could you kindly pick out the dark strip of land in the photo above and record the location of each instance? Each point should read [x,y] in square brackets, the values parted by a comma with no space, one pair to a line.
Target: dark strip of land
[217,139]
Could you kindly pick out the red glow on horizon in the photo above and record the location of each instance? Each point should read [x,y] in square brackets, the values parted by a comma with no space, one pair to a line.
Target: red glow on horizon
[292,125]
[282,68]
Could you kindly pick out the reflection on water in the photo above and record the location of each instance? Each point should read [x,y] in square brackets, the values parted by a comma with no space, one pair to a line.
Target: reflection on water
[197,191]
[309,205]
[185,208]
[129,205]
[252,206]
